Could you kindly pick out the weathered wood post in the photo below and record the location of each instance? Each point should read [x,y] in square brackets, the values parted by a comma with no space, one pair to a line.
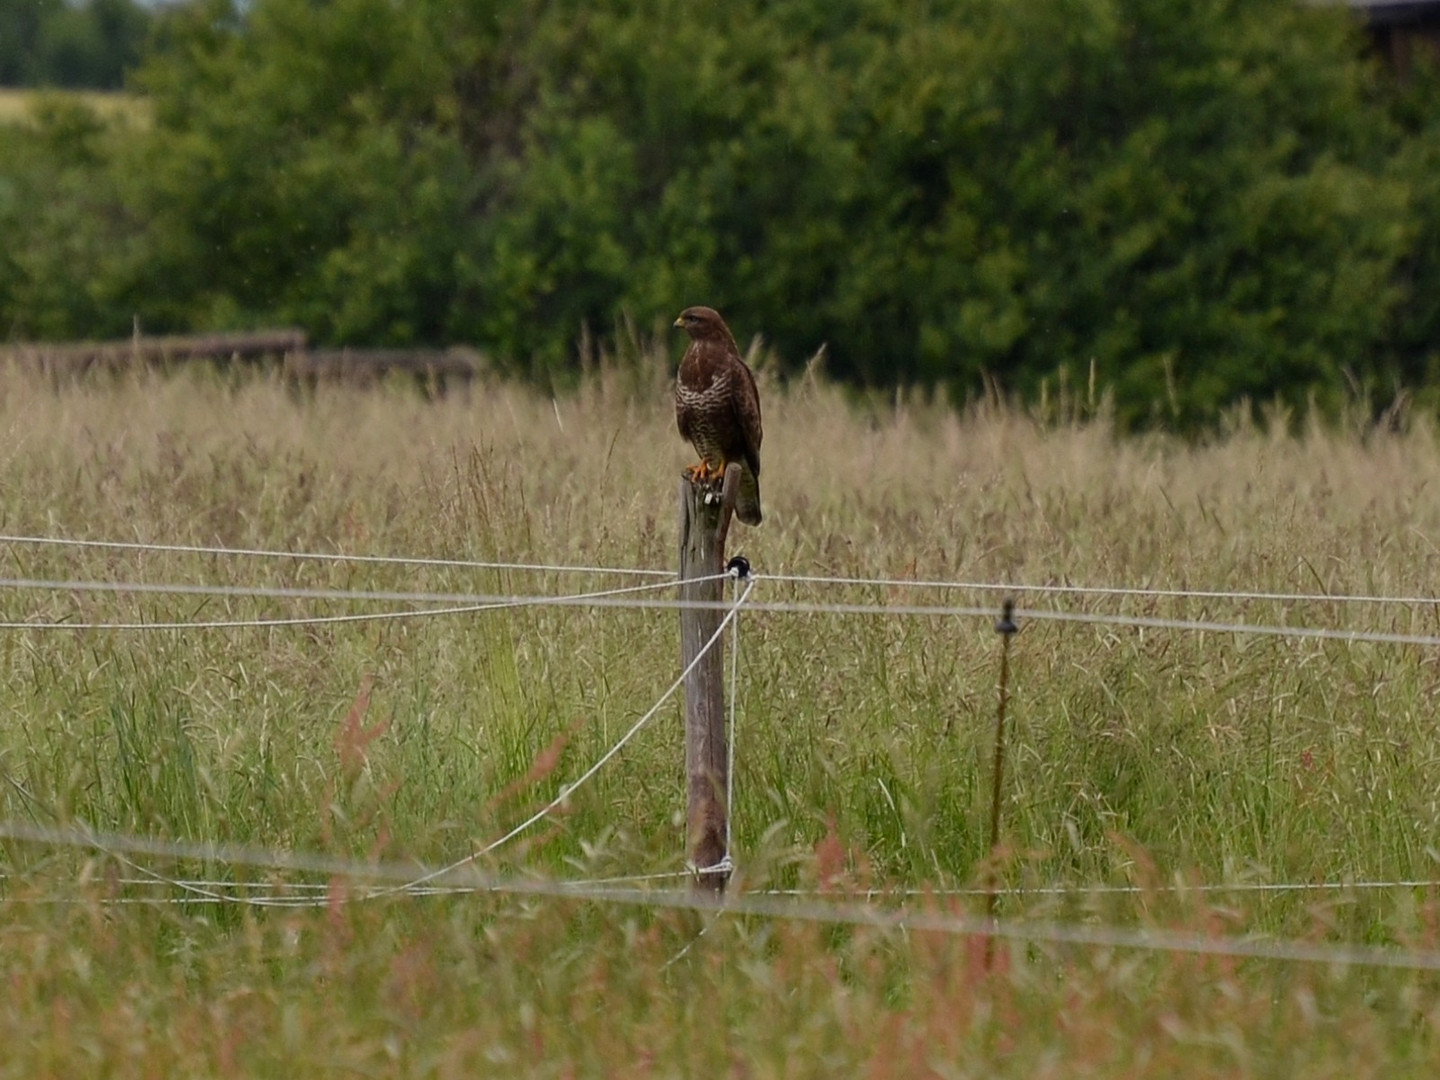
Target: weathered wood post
[704,521]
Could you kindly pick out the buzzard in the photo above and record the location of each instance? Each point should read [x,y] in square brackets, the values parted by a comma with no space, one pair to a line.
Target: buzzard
[717,407]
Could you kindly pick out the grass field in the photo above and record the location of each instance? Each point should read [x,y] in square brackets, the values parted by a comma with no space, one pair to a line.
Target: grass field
[1139,755]
[17,106]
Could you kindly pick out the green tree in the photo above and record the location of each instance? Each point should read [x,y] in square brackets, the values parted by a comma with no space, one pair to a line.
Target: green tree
[304,167]
[65,226]
[20,28]
[89,44]
[1412,346]
[1191,198]
[1202,203]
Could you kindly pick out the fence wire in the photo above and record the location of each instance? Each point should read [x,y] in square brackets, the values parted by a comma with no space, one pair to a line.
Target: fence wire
[402,879]
[624,598]
[463,877]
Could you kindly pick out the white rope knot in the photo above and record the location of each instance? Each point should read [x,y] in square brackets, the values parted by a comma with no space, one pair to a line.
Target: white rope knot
[725,866]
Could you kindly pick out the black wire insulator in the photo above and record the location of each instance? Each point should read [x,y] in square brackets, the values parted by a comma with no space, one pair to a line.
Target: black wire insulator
[1006,623]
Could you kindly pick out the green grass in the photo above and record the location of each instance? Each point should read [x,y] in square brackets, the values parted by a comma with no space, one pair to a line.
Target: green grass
[1137,756]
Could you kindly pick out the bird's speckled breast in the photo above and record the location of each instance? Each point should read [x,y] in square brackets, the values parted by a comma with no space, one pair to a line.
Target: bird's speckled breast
[703,405]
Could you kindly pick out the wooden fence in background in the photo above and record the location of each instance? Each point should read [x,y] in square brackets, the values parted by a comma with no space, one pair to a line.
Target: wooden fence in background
[286,351]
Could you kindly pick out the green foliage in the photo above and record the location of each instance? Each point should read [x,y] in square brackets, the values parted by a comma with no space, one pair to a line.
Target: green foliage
[1413,339]
[65,228]
[304,171]
[1199,204]
[90,44]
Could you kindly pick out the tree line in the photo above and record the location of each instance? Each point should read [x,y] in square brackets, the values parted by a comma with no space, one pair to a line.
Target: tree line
[79,45]
[1192,204]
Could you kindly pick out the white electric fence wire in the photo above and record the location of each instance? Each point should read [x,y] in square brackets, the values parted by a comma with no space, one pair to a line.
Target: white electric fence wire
[838,912]
[621,598]
[277,592]
[500,603]
[771,607]
[567,790]
[313,886]
[1019,891]
[332,557]
[1107,590]
[730,738]
[1022,891]
[806,579]
[626,879]
[154,880]
[1316,633]
[202,891]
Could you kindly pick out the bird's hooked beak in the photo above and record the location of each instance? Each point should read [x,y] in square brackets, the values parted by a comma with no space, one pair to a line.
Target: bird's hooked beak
[679,321]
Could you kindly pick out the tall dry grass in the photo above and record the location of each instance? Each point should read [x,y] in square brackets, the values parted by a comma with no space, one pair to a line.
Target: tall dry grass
[19,106]
[1140,756]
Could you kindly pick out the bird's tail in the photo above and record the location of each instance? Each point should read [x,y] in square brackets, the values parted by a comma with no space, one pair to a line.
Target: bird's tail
[747,498]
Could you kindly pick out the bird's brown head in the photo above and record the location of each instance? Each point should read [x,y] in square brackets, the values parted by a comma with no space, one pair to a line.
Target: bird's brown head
[703,324]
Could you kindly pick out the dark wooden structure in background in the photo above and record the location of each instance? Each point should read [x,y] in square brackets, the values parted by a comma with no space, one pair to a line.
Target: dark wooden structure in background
[85,356]
[286,350]
[1400,28]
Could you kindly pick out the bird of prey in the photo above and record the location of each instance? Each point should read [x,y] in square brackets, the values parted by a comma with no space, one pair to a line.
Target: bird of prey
[717,407]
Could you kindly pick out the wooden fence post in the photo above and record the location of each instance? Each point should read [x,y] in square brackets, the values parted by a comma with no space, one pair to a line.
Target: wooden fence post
[704,521]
